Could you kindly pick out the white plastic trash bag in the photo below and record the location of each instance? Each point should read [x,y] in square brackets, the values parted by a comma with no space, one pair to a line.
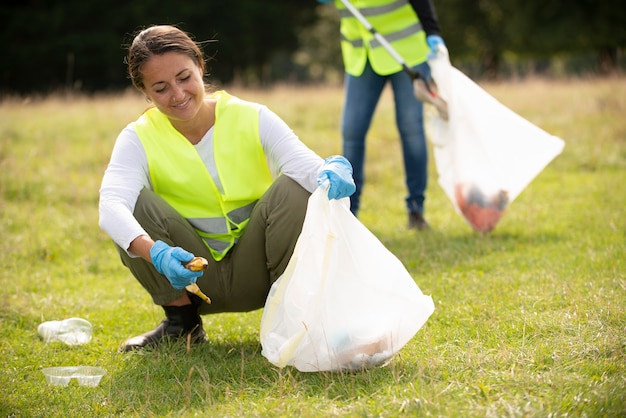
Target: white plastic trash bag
[344,302]
[485,153]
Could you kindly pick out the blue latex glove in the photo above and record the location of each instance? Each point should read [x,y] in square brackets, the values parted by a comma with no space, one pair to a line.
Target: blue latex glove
[169,262]
[337,171]
[325,1]
[434,41]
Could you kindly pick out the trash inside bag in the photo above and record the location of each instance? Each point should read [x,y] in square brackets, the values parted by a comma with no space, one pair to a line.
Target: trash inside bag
[485,153]
[482,211]
[344,302]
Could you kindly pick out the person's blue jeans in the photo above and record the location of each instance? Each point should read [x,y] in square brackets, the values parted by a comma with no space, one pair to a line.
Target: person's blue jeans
[361,97]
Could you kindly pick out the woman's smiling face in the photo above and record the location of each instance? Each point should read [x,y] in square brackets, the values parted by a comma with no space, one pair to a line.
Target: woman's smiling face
[174,84]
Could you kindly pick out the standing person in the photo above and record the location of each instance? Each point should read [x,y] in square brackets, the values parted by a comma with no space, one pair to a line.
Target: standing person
[412,28]
[206,175]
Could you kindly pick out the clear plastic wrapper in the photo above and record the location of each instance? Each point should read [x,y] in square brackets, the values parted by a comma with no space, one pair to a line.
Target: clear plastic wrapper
[71,331]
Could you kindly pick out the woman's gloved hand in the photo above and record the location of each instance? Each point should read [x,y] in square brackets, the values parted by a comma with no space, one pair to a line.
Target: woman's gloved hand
[169,262]
[337,170]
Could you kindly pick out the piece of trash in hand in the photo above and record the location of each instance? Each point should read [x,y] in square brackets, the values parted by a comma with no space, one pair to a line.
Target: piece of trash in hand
[197,264]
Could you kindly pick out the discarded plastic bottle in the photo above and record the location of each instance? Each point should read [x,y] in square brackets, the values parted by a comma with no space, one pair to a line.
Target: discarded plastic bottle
[71,331]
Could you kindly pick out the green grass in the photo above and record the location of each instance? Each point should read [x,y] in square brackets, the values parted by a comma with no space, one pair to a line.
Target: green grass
[529,320]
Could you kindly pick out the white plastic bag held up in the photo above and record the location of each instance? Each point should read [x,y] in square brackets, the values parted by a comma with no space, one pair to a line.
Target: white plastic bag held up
[485,153]
[344,302]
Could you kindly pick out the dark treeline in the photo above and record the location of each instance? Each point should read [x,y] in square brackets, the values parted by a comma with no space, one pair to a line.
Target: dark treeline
[80,45]
[48,44]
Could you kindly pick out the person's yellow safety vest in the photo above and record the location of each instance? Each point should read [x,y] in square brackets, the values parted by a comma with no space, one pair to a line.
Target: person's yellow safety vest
[396,21]
[216,200]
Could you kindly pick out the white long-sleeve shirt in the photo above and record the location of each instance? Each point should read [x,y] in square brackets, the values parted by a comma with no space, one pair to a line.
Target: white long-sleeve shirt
[127,173]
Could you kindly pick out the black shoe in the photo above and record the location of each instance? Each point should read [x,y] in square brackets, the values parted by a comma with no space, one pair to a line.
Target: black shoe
[180,322]
[417,221]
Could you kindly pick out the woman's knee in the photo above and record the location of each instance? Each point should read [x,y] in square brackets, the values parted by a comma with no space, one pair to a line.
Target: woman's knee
[288,191]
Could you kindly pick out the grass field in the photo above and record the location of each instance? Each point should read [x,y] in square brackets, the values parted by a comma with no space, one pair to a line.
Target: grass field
[529,321]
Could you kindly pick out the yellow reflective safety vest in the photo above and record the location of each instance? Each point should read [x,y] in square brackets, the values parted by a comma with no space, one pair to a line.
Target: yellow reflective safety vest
[216,199]
[396,21]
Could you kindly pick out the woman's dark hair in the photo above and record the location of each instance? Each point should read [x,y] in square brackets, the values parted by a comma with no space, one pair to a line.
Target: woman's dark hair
[157,40]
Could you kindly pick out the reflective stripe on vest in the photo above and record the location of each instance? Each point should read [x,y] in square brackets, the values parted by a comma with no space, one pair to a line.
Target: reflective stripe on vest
[396,36]
[216,200]
[396,21]
[221,227]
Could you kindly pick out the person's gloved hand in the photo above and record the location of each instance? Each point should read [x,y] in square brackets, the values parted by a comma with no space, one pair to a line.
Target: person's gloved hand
[337,171]
[169,262]
[325,1]
[434,41]
[436,45]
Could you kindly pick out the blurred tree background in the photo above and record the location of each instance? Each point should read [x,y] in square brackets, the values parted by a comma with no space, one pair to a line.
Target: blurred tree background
[52,45]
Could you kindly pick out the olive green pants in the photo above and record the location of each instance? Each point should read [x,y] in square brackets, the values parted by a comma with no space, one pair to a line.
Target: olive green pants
[240,281]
